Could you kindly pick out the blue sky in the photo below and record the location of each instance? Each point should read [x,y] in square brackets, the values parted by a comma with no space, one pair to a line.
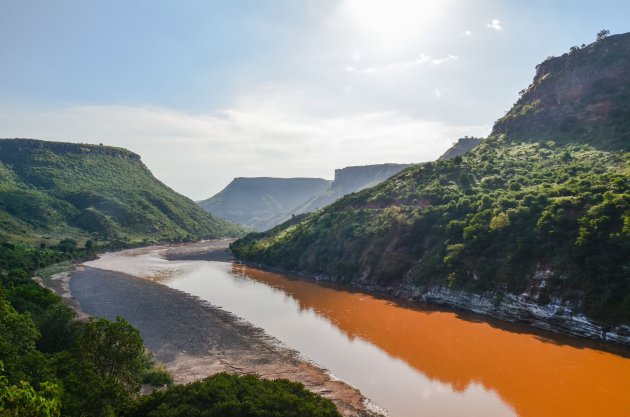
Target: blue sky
[209,90]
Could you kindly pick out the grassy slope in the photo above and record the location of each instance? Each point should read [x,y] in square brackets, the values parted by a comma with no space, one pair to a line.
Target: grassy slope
[517,208]
[52,190]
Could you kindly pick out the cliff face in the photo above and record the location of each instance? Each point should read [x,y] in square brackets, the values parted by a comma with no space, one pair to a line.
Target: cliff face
[582,96]
[351,180]
[54,190]
[533,224]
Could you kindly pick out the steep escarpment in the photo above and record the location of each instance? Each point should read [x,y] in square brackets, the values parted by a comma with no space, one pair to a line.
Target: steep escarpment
[51,191]
[350,180]
[532,225]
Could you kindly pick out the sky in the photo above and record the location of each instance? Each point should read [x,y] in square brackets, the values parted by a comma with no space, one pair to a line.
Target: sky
[206,90]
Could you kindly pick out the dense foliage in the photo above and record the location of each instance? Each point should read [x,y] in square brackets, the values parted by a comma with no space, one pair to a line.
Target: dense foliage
[50,191]
[225,395]
[43,377]
[52,363]
[22,400]
[520,213]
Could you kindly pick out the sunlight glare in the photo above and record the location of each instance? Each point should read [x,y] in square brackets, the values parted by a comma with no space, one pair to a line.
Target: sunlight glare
[392,24]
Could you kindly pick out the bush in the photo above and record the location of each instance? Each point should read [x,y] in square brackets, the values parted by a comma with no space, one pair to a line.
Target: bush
[225,395]
[157,376]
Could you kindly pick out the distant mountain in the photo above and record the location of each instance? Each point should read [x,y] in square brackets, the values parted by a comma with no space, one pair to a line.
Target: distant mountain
[258,202]
[53,190]
[459,148]
[350,180]
[262,203]
[533,224]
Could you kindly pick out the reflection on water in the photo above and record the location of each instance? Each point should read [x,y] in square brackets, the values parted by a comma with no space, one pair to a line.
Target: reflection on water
[414,362]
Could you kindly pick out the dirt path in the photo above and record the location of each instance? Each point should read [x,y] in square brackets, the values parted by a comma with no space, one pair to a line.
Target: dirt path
[195,339]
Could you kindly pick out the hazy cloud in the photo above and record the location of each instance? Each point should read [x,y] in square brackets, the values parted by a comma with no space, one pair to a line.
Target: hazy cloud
[418,61]
[199,154]
[494,24]
[450,58]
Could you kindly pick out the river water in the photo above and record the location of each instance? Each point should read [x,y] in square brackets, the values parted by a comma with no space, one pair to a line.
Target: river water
[411,362]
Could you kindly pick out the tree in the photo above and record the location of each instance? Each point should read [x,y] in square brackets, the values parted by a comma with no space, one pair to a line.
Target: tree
[22,400]
[116,349]
[602,34]
[104,370]
[500,221]
[18,335]
[67,245]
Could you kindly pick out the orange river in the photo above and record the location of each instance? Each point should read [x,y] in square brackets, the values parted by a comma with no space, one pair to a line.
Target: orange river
[418,362]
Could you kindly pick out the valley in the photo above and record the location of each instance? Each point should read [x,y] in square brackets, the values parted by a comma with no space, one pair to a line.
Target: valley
[493,281]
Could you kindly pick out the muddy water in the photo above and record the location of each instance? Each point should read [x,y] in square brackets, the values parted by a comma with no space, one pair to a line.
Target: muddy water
[408,361]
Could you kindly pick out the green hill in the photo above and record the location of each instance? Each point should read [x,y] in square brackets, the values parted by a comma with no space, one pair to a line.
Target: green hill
[535,220]
[51,190]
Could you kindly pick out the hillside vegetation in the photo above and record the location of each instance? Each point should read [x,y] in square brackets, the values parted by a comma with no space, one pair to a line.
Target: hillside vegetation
[50,191]
[540,208]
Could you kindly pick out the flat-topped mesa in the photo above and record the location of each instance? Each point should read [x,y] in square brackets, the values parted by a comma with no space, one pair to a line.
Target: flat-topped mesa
[19,144]
[270,184]
[582,96]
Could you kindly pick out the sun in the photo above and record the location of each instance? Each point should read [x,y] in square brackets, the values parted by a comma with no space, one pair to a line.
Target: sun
[393,24]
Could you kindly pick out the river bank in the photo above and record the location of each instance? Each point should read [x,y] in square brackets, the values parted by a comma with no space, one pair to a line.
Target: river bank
[193,338]
[554,317]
